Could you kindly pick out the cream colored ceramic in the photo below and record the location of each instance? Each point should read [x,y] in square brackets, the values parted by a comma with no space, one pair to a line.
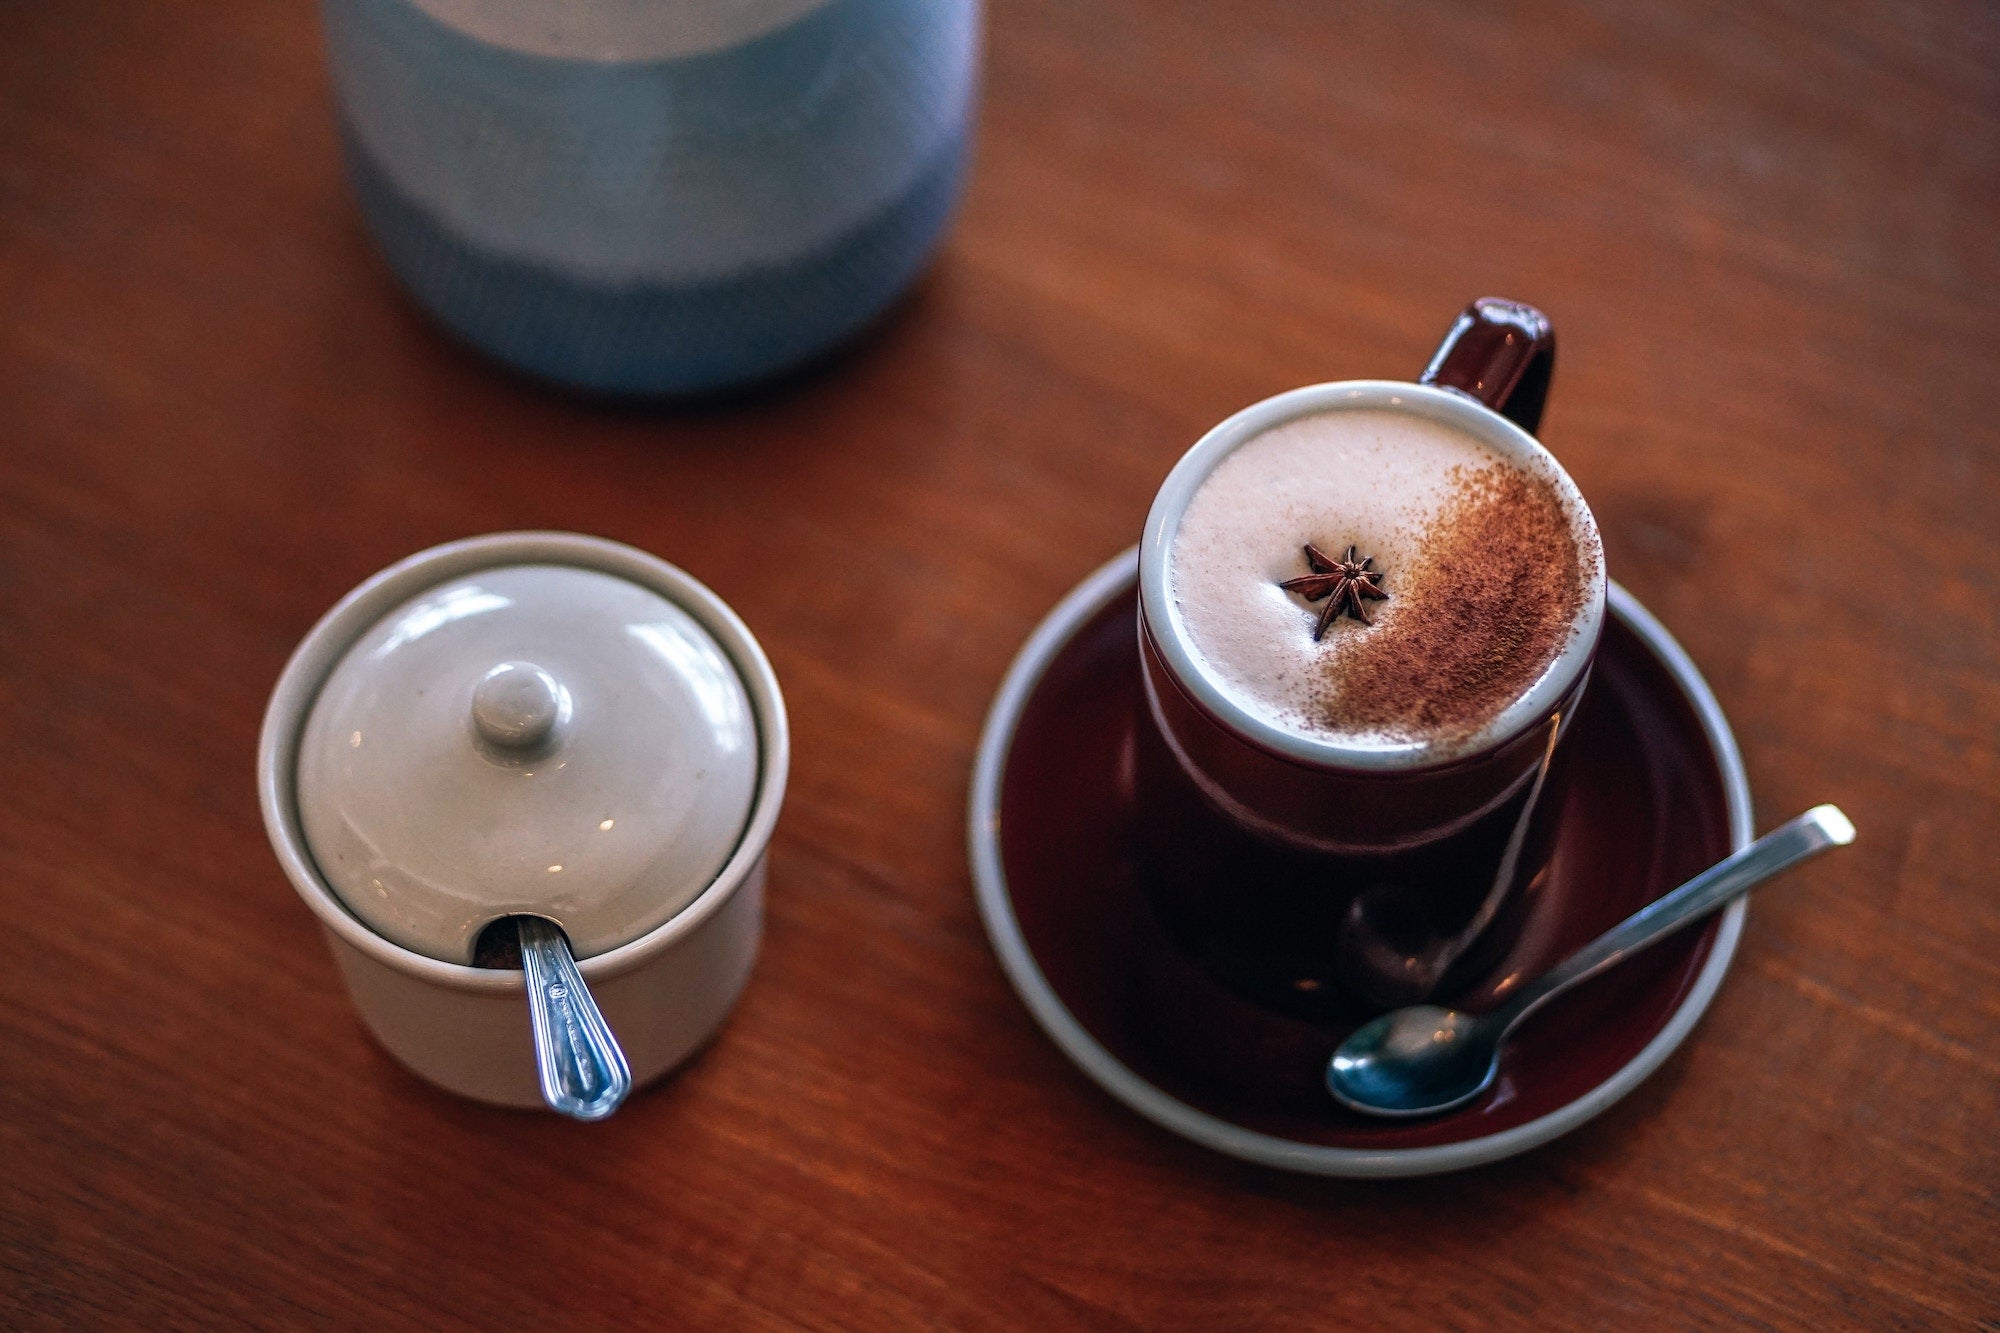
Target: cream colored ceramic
[667,986]
[529,739]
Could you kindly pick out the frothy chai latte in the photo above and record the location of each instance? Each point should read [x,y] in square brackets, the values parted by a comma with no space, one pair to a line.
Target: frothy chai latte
[1484,565]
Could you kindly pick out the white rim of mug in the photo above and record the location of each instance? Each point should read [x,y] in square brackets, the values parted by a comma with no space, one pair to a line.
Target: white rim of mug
[1003,929]
[328,641]
[1442,405]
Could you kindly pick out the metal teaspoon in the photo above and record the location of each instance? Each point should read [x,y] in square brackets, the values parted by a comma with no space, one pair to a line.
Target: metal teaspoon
[1424,1059]
[583,1072]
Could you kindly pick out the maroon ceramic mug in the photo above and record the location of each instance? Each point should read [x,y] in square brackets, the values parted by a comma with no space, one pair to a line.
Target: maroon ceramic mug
[1325,876]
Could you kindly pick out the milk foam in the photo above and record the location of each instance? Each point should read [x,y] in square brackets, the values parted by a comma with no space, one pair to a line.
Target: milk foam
[1378,480]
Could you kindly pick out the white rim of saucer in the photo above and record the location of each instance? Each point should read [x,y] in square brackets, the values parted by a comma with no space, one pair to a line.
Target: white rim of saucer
[1003,930]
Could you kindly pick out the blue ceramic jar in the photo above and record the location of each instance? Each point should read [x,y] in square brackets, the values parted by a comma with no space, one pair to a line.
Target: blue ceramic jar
[655,196]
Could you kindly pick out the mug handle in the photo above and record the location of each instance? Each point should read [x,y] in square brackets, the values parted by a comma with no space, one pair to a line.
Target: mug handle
[1500,353]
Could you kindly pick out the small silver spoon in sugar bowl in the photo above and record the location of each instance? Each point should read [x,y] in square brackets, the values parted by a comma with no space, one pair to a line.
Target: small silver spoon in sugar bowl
[582,1070]
[1425,1059]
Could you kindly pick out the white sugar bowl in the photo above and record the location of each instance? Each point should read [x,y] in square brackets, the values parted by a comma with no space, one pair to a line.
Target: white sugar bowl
[529,727]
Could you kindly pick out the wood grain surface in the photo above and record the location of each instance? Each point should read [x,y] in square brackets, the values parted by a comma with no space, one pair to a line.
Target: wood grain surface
[1769,235]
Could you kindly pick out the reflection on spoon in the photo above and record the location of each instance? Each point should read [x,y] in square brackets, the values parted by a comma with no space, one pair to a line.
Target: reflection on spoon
[583,1072]
[1426,1059]
[1391,954]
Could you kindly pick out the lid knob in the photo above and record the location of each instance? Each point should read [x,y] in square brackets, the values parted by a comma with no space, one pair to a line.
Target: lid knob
[518,706]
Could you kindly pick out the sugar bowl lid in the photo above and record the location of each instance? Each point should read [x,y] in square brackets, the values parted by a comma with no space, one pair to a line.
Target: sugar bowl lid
[537,738]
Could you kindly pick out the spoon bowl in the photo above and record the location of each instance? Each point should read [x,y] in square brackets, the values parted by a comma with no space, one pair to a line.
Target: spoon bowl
[1424,1059]
[1414,1061]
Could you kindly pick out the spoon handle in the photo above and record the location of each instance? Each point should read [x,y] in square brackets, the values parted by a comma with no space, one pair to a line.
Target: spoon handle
[1813,832]
[583,1071]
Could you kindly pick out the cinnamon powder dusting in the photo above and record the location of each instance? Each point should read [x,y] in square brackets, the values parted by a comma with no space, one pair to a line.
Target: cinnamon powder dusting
[1475,618]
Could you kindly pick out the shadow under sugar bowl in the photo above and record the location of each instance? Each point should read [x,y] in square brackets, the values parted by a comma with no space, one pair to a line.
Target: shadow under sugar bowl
[532,725]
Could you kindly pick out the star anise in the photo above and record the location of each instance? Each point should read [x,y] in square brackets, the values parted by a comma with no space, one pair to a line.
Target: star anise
[1344,583]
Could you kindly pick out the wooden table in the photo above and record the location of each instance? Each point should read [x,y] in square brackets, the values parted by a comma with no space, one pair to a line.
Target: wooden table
[1767,234]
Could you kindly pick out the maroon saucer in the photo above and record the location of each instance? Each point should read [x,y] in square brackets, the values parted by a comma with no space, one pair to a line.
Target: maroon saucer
[1659,794]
